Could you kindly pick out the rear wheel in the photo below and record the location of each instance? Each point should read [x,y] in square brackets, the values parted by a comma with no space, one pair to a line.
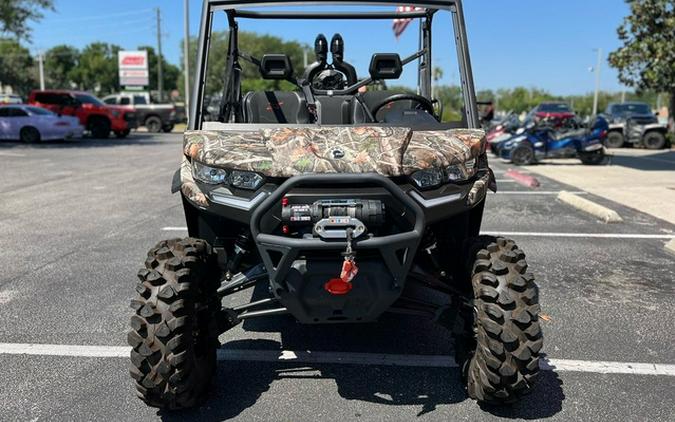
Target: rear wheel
[153,124]
[522,155]
[498,349]
[173,331]
[614,140]
[30,135]
[654,140]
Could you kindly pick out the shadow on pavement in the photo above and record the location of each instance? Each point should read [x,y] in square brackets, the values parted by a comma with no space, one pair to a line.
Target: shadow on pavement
[656,162]
[239,385]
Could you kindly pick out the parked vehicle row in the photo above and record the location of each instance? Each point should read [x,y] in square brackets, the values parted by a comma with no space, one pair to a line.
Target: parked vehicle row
[34,124]
[541,139]
[98,118]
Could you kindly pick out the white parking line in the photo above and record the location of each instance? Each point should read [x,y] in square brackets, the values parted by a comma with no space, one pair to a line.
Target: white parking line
[584,235]
[174,229]
[340,358]
[11,154]
[534,192]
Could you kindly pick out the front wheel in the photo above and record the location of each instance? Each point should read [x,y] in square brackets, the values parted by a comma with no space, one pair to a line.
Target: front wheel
[499,352]
[30,135]
[168,128]
[174,334]
[100,128]
[523,155]
[592,158]
[614,140]
[654,140]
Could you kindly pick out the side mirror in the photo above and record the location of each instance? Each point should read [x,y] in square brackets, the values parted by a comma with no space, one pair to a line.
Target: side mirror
[276,66]
[385,66]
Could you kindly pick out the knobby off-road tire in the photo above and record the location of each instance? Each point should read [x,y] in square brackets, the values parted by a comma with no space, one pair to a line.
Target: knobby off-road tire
[173,331]
[499,351]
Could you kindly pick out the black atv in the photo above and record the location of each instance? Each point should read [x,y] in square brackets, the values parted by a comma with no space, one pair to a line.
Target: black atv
[343,199]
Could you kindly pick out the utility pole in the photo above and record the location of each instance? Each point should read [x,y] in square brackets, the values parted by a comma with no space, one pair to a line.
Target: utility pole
[160,75]
[186,53]
[597,82]
[623,96]
[41,66]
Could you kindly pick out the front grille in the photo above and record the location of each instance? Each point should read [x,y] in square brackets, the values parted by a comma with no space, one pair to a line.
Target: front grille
[130,117]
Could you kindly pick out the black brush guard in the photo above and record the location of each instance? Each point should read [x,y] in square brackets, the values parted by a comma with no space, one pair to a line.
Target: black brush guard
[297,283]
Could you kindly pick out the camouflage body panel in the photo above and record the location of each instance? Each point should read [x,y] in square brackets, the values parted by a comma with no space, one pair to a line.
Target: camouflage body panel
[287,152]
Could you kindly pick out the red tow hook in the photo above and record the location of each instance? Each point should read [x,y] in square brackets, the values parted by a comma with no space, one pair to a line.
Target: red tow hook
[343,285]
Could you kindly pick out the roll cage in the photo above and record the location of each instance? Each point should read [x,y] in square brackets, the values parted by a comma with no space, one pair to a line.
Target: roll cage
[233,10]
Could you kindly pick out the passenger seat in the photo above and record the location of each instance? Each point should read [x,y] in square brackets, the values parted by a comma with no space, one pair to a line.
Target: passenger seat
[275,107]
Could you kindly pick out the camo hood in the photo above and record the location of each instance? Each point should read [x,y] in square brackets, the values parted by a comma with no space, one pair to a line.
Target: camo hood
[287,152]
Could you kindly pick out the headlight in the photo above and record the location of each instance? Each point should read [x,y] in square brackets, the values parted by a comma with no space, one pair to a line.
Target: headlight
[461,172]
[432,178]
[236,178]
[426,179]
[246,180]
[210,175]
[116,114]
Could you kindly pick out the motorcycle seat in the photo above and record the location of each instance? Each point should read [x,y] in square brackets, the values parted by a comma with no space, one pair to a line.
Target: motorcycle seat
[574,133]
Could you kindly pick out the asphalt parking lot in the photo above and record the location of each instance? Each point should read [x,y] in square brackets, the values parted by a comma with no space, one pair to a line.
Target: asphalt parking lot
[76,220]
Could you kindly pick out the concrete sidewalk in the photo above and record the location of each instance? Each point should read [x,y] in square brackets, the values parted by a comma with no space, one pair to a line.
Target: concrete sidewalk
[640,179]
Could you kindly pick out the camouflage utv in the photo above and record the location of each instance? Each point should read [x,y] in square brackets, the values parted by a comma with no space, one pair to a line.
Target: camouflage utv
[342,199]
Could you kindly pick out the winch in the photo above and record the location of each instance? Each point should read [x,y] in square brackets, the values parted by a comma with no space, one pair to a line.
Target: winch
[331,217]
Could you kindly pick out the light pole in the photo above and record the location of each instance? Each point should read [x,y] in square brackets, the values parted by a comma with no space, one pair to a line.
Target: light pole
[597,82]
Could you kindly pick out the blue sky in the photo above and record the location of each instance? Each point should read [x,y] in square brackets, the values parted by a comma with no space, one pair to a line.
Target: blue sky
[541,44]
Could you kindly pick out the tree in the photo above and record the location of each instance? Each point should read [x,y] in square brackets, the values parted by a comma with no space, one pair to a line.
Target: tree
[15,15]
[170,72]
[97,70]
[60,63]
[16,66]
[646,60]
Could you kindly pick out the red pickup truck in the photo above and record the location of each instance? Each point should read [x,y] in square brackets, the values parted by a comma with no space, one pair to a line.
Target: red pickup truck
[100,119]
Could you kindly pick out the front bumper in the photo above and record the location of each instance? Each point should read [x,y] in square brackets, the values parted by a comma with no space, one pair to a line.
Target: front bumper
[297,275]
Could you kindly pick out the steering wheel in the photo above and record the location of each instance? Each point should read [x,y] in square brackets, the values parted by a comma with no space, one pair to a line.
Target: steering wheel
[424,102]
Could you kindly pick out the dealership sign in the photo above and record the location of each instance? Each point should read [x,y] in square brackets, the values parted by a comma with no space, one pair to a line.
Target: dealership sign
[133,68]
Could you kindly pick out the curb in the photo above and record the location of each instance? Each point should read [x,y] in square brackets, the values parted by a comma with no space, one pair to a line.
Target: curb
[522,178]
[670,247]
[602,213]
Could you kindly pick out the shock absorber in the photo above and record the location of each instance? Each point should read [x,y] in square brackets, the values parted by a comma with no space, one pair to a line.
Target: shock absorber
[241,249]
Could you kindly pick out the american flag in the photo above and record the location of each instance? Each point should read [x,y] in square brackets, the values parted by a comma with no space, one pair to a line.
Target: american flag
[401,24]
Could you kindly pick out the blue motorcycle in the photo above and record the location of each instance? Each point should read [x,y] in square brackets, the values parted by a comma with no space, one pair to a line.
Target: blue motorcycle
[539,140]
